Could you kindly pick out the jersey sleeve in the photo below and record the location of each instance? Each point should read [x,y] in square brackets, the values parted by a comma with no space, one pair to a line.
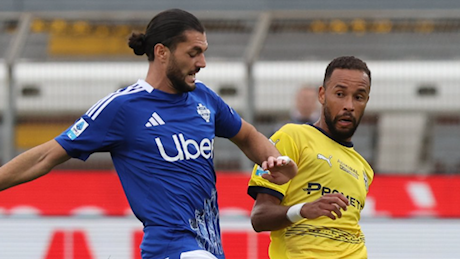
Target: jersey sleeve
[286,146]
[228,121]
[98,130]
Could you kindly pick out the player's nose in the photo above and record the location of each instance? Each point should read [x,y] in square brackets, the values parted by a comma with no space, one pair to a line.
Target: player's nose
[201,62]
[348,104]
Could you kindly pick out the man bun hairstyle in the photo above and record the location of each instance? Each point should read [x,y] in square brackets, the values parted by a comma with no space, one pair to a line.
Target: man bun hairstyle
[167,28]
[346,62]
[137,43]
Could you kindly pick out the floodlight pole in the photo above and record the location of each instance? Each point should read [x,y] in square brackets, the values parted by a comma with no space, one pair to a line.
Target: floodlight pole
[251,54]
[9,109]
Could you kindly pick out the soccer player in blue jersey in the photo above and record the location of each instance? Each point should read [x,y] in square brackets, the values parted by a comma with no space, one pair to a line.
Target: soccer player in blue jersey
[160,133]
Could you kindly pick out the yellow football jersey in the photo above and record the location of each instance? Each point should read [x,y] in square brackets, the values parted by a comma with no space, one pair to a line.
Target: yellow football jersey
[324,166]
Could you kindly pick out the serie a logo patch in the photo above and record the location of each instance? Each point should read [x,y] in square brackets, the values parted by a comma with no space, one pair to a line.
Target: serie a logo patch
[77,129]
[260,171]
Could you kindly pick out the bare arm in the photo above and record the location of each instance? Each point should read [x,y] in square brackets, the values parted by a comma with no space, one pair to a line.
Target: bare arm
[268,215]
[254,144]
[32,164]
[261,151]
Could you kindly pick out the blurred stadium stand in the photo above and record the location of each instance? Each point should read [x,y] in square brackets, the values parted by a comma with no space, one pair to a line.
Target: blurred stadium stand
[90,32]
[255,5]
[445,134]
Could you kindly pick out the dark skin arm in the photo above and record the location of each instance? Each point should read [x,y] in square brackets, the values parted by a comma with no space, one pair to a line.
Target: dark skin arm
[268,215]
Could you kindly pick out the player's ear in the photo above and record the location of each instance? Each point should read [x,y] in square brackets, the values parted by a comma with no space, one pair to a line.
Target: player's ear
[161,52]
[322,94]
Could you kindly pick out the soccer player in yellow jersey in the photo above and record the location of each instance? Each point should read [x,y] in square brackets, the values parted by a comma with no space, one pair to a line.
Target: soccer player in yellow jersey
[316,213]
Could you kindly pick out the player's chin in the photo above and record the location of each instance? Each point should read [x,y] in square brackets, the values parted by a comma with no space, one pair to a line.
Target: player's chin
[191,87]
[187,87]
[345,134]
[346,131]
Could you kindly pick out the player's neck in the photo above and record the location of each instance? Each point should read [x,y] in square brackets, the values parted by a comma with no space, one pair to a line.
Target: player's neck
[156,77]
[163,85]
[322,125]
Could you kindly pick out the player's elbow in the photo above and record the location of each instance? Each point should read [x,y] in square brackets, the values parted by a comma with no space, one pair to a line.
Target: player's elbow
[257,222]
[256,226]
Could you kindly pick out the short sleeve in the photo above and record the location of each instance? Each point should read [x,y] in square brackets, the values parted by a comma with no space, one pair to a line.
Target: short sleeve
[228,121]
[286,146]
[96,131]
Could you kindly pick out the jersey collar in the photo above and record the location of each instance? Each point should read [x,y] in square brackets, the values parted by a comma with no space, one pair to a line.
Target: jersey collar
[347,144]
[145,85]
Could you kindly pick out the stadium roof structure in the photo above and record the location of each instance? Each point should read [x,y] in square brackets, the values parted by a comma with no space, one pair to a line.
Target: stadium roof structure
[216,5]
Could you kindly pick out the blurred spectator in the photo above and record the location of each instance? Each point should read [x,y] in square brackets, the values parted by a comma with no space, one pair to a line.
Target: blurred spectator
[307,109]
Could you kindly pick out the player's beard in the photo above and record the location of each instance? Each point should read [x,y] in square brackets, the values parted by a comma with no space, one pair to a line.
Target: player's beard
[340,135]
[177,78]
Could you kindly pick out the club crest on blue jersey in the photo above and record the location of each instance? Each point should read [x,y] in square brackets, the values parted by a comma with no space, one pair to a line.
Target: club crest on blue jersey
[77,129]
[204,112]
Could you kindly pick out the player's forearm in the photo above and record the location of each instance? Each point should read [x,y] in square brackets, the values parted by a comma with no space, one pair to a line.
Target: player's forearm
[31,164]
[269,218]
[259,149]
[254,144]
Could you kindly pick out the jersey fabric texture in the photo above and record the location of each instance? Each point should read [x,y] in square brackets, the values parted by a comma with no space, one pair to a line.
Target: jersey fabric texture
[324,166]
[162,148]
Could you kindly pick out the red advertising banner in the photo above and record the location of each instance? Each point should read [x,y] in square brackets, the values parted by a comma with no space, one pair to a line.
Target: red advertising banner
[60,195]
[69,193]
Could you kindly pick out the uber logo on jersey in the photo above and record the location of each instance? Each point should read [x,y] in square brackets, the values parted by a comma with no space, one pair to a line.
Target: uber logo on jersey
[204,148]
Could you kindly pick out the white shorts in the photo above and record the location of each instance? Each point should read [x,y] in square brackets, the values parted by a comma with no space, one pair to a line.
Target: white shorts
[197,254]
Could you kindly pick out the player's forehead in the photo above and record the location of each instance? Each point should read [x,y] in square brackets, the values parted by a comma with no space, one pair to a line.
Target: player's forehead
[194,40]
[349,78]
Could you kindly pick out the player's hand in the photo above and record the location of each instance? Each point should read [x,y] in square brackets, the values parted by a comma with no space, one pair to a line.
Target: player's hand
[281,169]
[324,206]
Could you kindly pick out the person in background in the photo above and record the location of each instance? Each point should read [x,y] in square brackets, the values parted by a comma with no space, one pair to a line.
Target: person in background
[160,133]
[316,214]
[307,108]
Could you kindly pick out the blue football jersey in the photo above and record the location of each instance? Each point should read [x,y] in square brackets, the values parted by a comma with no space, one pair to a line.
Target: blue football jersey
[162,149]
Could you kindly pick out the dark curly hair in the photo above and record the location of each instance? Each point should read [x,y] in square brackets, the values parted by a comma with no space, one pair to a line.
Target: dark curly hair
[346,62]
